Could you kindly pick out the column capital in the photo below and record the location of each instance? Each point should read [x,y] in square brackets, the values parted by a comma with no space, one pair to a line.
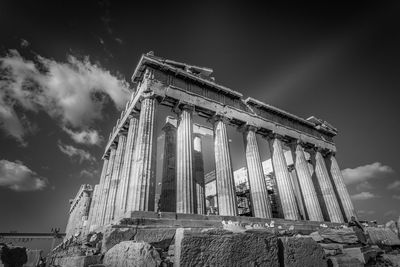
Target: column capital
[219,117]
[247,128]
[272,135]
[181,106]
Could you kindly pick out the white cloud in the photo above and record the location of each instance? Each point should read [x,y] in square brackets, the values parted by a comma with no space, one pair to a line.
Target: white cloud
[73,92]
[366,172]
[363,186]
[394,186]
[24,43]
[363,196]
[88,137]
[74,152]
[88,173]
[365,212]
[18,177]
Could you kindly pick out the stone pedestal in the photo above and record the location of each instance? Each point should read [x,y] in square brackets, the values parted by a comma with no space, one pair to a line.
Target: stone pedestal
[223,170]
[327,192]
[338,182]
[184,163]
[199,176]
[306,185]
[283,180]
[115,178]
[127,165]
[141,193]
[258,191]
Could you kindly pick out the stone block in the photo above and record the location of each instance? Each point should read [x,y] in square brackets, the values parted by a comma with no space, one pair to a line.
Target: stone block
[344,261]
[77,261]
[159,238]
[354,253]
[391,260]
[131,253]
[33,257]
[223,248]
[343,236]
[300,252]
[382,236]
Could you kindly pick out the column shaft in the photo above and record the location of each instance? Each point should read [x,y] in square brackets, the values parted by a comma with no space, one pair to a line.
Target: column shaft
[96,211]
[328,194]
[199,175]
[141,189]
[184,163]
[92,212]
[106,187]
[297,193]
[223,171]
[283,180]
[338,182]
[126,168]
[258,190]
[115,178]
[167,200]
[306,185]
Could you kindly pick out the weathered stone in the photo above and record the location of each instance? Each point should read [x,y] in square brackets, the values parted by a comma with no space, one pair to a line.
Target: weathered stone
[382,236]
[343,261]
[215,248]
[77,261]
[343,236]
[300,251]
[354,253]
[159,238]
[391,260]
[130,253]
[332,249]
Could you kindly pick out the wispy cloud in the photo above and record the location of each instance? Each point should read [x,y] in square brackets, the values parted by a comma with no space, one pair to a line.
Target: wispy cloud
[394,186]
[89,173]
[367,172]
[73,92]
[363,186]
[74,152]
[18,177]
[24,43]
[364,196]
[396,197]
[87,137]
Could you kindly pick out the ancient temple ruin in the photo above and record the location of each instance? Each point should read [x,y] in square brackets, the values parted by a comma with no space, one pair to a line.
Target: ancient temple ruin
[309,188]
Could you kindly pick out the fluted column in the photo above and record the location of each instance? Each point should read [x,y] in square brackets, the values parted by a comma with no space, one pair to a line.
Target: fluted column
[297,192]
[141,191]
[96,212]
[338,182]
[306,185]
[258,190]
[127,166]
[106,186]
[283,180]
[199,175]
[115,178]
[92,212]
[223,170]
[184,162]
[327,191]
[168,184]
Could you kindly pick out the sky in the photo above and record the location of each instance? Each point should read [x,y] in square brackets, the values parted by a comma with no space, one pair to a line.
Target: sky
[65,73]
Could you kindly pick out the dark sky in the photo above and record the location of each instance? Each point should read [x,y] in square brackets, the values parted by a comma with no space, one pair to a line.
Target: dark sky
[337,62]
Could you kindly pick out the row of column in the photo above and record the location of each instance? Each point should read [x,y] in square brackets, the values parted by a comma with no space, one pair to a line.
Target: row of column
[127,179]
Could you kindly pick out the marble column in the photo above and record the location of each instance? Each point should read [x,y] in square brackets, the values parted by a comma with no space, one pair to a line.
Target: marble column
[327,191]
[96,213]
[283,179]
[106,186]
[115,178]
[92,212]
[341,189]
[142,187]
[306,185]
[297,192]
[199,175]
[258,190]
[223,170]
[184,162]
[127,165]
[167,200]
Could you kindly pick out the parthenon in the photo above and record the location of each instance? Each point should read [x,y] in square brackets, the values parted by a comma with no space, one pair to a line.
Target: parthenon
[128,180]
